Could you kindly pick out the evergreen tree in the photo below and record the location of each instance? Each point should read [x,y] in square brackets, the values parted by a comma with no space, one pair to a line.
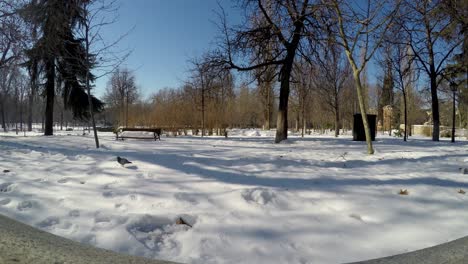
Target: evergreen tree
[60,55]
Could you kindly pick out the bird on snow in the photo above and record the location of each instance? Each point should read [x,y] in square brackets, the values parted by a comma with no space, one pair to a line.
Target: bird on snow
[123,161]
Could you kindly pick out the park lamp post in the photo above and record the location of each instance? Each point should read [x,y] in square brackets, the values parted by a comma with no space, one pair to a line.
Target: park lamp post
[453,88]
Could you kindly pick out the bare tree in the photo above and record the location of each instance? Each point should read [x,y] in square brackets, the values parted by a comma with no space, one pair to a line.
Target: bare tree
[304,74]
[361,30]
[100,55]
[121,92]
[265,88]
[405,75]
[203,77]
[331,75]
[7,78]
[287,22]
[433,42]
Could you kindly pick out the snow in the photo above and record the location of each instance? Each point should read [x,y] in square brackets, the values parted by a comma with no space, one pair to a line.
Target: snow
[317,199]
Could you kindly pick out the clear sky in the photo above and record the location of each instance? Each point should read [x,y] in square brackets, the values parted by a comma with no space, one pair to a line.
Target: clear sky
[166,34]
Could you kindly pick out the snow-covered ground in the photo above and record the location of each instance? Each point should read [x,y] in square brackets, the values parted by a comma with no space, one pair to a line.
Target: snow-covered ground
[312,200]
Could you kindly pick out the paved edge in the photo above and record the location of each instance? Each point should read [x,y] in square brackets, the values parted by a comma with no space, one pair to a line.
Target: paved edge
[20,243]
[453,252]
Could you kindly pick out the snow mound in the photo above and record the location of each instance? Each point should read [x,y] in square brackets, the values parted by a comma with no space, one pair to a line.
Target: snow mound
[155,232]
[255,133]
[260,196]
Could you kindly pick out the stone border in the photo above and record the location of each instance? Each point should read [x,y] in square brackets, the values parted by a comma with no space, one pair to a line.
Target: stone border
[453,252]
[20,243]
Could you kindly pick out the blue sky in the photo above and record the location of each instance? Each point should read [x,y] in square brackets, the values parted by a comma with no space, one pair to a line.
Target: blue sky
[166,34]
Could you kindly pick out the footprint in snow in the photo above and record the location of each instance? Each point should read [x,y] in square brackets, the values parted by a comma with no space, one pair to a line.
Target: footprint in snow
[357,217]
[40,180]
[49,222]
[260,196]
[121,207]
[106,221]
[63,180]
[7,187]
[25,205]
[108,194]
[134,197]
[74,213]
[53,222]
[154,232]
[5,201]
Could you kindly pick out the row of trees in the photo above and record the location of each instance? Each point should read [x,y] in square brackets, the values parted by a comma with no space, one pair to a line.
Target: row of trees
[279,34]
[309,57]
[50,48]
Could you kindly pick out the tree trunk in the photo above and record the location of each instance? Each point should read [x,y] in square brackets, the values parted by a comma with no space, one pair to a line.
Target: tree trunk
[435,107]
[61,119]
[126,111]
[2,109]
[90,102]
[297,121]
[203,111]
[88,85]
[362,107]
[337,121]
[303,118]
[16,111]
[50,94]
[406,115]
[337,113]
[21,117]
[30,109]
[282,119]
[453,119]
[268,104]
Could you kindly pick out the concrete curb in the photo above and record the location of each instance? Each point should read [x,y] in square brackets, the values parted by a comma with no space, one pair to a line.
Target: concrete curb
[453,252]
[20,243]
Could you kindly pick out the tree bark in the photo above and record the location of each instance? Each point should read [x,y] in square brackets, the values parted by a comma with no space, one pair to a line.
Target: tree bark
[435,108]
[268,105]
[453,119]
[203,111]
[303,118]
[282,120]
[337,120]
[88,84]
[61,119]
[2,109]
[126,114]
[30,109]
[406,115]
[50,94]
[362,107]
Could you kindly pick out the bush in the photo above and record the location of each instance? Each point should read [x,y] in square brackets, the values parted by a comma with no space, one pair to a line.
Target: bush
[427,131]
[446,133]
[398,132]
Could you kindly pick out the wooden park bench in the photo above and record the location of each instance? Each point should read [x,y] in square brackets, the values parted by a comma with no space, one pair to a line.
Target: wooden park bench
[156,133]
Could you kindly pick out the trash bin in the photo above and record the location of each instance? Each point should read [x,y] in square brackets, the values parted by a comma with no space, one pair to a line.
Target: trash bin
[358,128]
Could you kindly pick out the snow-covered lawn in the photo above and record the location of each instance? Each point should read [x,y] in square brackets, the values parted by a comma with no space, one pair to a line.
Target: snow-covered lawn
[312,200]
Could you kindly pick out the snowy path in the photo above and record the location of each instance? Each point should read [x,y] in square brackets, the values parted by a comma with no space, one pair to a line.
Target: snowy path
[249,200]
